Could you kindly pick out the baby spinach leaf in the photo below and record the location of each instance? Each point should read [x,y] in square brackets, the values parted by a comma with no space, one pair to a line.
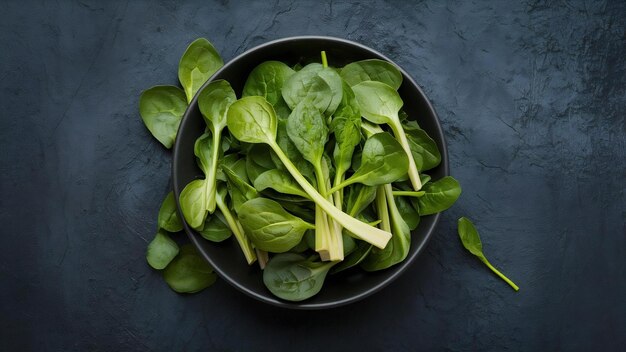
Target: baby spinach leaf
[372,70]
[161,109]
[293,278]
[439,195]
[168,215]
[266,80]
[423,148]
[334,81]
[189,272]
[199,62]
[308,132]
[308,84]
[270,227]
[471,241]
[383,161]
[346,127]
[380,104]
[161,250]
[193,203]
[280,181]
[252,120]
[215,228]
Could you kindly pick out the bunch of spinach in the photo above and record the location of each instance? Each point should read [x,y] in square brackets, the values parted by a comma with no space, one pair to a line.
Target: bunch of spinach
[315,169]
[313,176]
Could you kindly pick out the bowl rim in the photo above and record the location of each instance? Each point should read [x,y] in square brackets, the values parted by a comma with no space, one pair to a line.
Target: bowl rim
[403,266]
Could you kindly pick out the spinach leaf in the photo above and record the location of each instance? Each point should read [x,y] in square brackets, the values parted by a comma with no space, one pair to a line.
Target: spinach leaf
[253,120]
[193,203]
[383,161]
[161,250]
[423,148]
[199,62]
[439,195]
[308,84]
[279,181]
[308,132]
[372,70]
[189,272]
[215,228]
[168,215]
[334,81]
[161,109]
[270,227]
[346,127]
[266,80]
[292,277]
[379,103]
[471,241]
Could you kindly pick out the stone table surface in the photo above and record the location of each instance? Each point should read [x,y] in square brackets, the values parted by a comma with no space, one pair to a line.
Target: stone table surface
[532,97]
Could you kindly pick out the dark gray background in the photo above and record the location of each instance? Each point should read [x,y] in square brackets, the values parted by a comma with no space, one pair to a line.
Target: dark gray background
[532,99]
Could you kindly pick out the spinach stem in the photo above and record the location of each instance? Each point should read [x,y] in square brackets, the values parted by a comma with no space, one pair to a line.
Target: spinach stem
[408,193]
[324,60]
[398,132]
[237,229]
[211,183]
[497,272]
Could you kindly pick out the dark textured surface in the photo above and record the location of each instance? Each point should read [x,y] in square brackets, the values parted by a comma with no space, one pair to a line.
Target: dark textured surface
[532,98]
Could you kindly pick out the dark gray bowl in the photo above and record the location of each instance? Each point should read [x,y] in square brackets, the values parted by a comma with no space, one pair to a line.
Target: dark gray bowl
[226,257]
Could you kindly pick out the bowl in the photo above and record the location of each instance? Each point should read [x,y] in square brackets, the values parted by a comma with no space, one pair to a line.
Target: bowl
[226,257]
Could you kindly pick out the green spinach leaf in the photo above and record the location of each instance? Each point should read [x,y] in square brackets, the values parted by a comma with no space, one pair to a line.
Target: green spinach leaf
[471,241]
[199,62]
[161,109]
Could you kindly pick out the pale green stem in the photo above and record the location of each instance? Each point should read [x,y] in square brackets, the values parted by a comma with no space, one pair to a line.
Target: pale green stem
[497,272]
[398,132]
[408,193]
[235,227]
[211,182]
